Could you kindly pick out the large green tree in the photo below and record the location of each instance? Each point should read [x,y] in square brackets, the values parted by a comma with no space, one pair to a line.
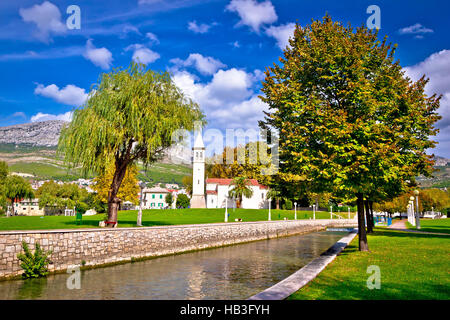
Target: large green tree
[4,170]
[61,196]
[130,115]
[349,119]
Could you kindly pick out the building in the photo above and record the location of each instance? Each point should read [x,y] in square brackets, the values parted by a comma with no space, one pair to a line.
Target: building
[198,173]
[217,193]
[154,198]
[27,207]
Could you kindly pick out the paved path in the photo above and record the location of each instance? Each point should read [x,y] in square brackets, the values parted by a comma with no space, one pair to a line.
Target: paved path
[400,225]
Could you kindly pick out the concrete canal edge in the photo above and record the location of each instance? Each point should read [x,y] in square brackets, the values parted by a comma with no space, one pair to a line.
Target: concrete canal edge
[103,246]
[300,278]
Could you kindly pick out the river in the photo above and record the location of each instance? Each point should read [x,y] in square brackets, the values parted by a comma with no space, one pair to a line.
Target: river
[232,272]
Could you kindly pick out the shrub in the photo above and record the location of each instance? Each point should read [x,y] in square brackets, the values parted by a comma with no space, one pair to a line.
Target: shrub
[34,265]
[288,204]
[183,201]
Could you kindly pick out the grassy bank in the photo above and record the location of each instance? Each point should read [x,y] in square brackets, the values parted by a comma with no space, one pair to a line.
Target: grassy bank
[413,266]
[433,225]
[154,218]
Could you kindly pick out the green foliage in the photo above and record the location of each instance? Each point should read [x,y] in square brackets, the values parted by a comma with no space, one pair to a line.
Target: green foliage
[187,183]
[240,187]
[17,188]
[169,199]
[349,120]
[252,161]
[183,201]
[34,264]
[4,170]
[52,194]
[130,115]
[287,205]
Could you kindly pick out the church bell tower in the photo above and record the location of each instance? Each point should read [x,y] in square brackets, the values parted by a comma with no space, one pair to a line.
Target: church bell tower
[198,173]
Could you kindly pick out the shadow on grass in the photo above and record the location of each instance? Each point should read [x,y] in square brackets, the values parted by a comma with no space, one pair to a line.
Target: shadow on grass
[405,234]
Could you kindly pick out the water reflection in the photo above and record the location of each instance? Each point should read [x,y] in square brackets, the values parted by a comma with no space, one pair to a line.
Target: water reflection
[234,272]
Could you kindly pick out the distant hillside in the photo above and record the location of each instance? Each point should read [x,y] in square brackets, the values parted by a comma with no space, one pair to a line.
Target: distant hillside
[45,133]
[31,149]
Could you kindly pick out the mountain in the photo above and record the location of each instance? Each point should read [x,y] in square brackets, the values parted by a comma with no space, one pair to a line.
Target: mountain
[45,133]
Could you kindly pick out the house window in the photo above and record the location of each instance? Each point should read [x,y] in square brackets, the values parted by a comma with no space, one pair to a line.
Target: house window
[153,204]
[262,195]
[153,196]
[160,196]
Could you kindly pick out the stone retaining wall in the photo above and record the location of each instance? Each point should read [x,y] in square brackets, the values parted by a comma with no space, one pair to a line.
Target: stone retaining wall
[103,246]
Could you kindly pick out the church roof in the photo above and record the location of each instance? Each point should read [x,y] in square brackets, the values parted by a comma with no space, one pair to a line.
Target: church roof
[226,182]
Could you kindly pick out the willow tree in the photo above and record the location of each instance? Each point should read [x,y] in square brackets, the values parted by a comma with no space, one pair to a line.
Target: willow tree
[349,119]
[130,116]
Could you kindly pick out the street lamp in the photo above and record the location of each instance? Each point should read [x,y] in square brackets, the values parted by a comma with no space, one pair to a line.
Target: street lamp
[411,208]
[416,193]
[142,185]
[331,212]
[348,212]
[270,200]
[314,211]
[226,208]
[295,210]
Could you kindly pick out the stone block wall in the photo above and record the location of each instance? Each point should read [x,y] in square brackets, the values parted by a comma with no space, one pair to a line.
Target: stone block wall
[103,246]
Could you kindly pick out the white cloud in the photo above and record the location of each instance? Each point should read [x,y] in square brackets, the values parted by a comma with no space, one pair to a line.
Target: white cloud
[415,29]
[228,99]
[204,65]
[45,116]
[198,28]
[143,54]
[437,68]
[70,94]
[101,57]
[152,37]
[281,34]
[252,13]
[47,18]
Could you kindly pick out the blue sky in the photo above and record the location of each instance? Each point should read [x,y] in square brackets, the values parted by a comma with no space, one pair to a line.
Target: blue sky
[216,50]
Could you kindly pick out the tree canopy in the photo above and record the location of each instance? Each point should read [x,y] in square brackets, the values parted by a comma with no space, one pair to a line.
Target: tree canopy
[349,119]
[17,188]
[130,115]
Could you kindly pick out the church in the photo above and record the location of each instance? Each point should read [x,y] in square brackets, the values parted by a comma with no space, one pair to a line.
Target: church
[217,188]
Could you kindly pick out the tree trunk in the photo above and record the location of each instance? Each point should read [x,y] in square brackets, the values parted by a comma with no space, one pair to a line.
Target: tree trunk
[278,204]
[238,203]
[369,222]
[363,246]
[113,200]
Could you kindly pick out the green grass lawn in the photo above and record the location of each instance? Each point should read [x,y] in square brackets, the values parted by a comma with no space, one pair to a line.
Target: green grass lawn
[432,225]
[412,265]
[154,217]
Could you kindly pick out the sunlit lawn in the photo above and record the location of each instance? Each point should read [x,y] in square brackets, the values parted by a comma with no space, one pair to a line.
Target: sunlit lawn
[155,217]
[433,225]
[412,265]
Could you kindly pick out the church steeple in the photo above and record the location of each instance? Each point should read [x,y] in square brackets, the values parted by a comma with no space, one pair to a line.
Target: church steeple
[198,173]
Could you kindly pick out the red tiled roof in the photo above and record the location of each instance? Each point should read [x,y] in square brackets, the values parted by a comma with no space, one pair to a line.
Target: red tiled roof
[226,182]
[211,192]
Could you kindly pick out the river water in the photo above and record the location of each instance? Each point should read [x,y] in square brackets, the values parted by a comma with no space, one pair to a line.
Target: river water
[233,272]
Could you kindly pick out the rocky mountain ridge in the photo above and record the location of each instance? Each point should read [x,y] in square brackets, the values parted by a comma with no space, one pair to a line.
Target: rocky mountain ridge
[45,133]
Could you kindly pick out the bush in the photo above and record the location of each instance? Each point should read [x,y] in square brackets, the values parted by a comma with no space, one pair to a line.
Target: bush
[183,201]
[287,205]
[34,265]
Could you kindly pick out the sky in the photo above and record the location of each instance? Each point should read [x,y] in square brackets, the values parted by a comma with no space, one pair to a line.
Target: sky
[215,50]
